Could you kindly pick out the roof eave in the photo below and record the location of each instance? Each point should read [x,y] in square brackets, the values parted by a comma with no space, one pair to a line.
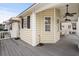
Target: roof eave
[29,8]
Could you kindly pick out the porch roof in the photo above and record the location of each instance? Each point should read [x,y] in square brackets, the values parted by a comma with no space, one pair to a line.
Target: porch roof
[26,10]
[13,19]
[37,7]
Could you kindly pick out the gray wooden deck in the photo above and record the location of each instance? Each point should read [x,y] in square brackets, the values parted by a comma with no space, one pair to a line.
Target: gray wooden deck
[19,48]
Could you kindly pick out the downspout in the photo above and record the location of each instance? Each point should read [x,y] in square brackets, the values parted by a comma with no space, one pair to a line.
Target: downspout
[40,44]
[54,25]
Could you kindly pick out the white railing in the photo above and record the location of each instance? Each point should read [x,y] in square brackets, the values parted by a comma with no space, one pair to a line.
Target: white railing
[4,35]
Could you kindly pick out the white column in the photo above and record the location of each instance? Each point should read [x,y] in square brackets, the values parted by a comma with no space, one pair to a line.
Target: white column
[33,25]
[56,31]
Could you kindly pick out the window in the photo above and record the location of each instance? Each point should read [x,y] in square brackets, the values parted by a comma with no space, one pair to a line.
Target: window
[62,26]
[28,22]
[47,23]
[25,23]
[69,26]
[74,26]
[10,26]
[22,20]
[58,25]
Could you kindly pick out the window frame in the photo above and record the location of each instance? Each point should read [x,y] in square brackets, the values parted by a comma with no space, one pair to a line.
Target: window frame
[69,26]
[29,22]
[10,26]
[25,22]
[49,24]
[74,26]
[22,23]
[58,24]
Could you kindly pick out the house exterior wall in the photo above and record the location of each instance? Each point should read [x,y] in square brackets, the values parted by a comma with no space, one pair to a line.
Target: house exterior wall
[15,30]
[42,35]
[77,31]
[66,30]
[26,34]
[6,26]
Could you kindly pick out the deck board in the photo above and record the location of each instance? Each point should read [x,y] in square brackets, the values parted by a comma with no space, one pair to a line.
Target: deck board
[11,47]
[0,48]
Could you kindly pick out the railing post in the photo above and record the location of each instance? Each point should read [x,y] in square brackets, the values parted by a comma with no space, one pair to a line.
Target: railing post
[0,35]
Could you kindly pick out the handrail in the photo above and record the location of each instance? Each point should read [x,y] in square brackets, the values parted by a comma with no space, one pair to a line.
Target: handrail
[4,35]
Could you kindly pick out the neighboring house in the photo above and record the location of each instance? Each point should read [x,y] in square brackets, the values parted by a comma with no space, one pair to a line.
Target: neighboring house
[68,27]
[2,26]
[6,25]
[4,32]
[14,28]
[40,23]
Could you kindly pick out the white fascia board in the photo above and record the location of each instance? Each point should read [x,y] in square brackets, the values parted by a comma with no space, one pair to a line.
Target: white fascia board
[25,11]
[40,7]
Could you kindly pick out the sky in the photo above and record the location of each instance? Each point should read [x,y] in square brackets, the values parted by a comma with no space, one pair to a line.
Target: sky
[8,10]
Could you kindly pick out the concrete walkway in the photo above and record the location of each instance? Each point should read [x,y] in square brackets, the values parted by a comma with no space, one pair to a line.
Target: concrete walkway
[19,48]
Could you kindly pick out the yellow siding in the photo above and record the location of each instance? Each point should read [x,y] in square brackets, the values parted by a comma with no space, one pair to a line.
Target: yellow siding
[26,34]
[42,36]
[47,37]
